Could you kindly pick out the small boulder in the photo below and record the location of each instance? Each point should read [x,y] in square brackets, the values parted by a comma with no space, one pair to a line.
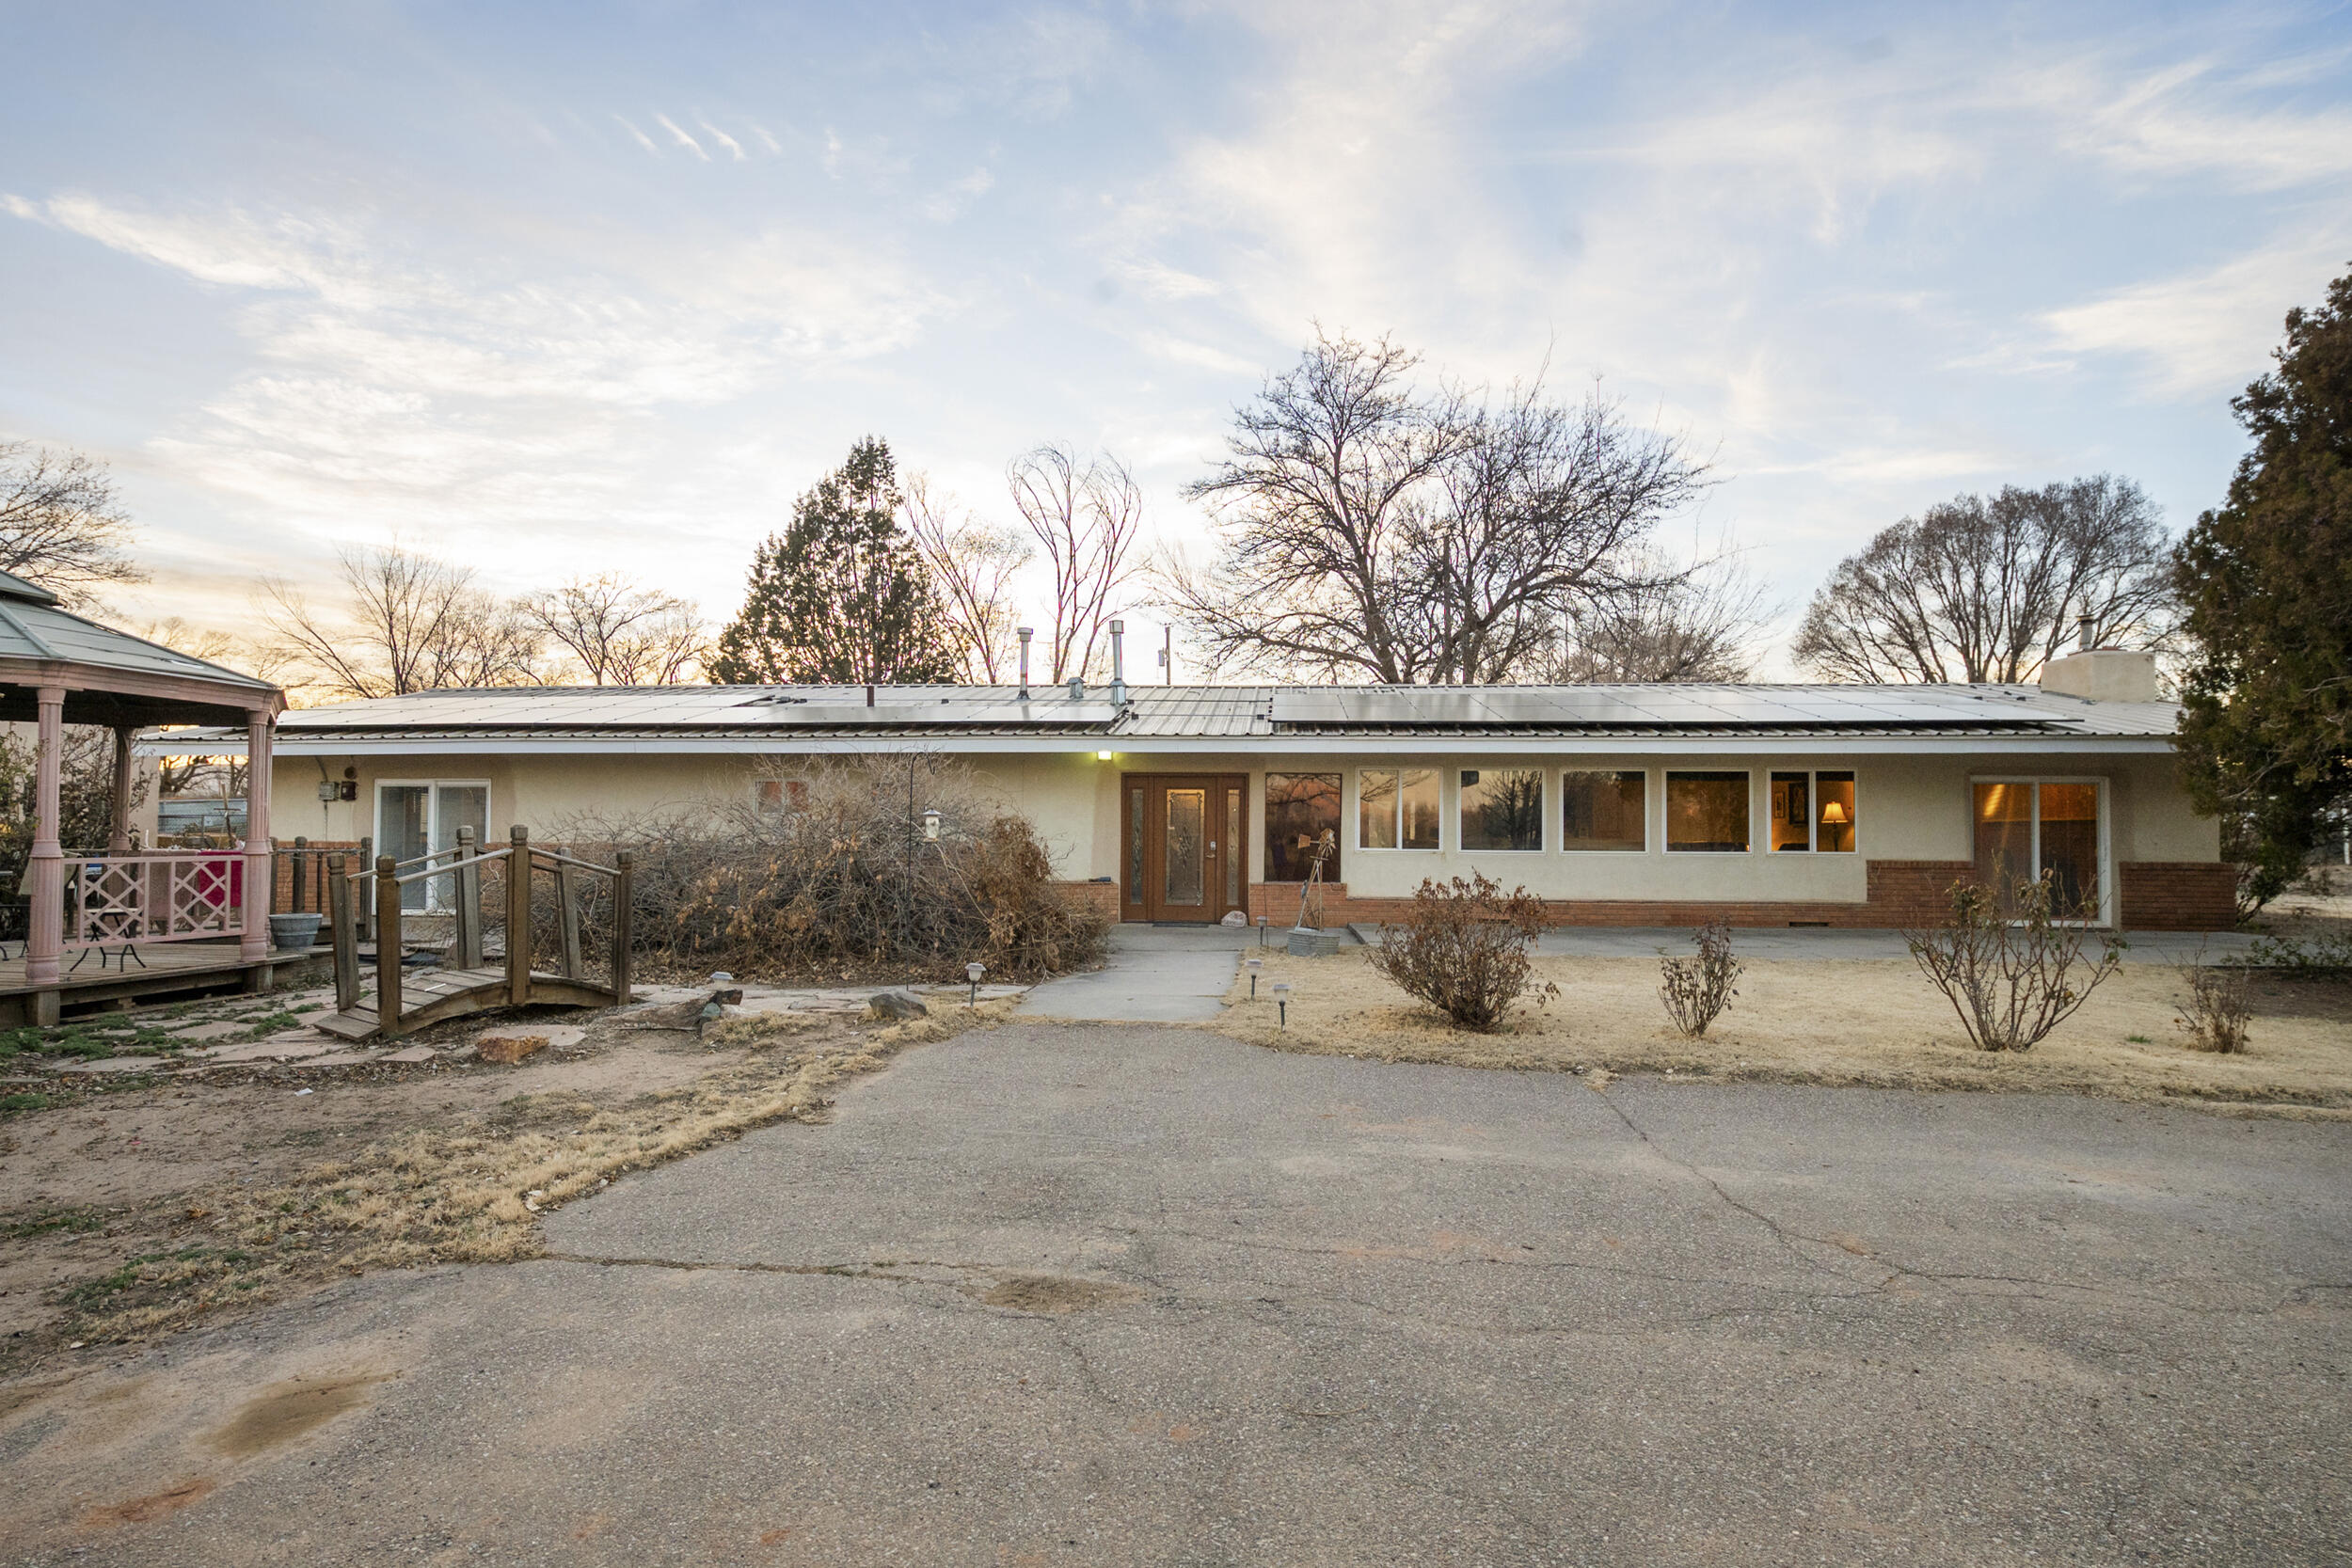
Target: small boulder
[516,1041]
[895,1005]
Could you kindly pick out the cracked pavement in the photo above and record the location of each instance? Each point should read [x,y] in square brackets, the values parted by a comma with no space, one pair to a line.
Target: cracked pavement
[1121,1294]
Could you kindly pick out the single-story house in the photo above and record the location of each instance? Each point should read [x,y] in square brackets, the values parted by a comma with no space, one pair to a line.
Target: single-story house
[1638,805]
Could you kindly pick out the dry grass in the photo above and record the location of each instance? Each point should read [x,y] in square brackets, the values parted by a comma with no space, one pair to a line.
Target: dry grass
[1863,1022]
[473,1193]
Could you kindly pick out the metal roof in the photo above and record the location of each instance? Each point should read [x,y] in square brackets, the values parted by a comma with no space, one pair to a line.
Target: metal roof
[38,631]
[713,718]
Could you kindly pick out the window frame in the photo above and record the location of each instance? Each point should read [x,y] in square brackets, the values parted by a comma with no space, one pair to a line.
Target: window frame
[1355,806]
[1653,808]
[1462,846]
[1335,869]
[2105,834]
[436,899]
[1812,811]
[1665,811]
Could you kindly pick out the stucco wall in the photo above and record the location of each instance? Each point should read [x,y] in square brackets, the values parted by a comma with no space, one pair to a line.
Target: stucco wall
[1908,808]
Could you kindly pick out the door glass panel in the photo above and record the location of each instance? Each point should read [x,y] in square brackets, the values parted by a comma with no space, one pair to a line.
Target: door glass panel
[1300,808]
[1232,848]
[2004,840]
[1792,815]
[2070,848]
[1833,812]
[455,806]
[402,817]
[1134,846]
[1187,847]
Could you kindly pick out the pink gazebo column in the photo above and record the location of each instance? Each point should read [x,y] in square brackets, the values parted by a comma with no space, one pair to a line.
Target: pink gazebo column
[44,873]
[259,734]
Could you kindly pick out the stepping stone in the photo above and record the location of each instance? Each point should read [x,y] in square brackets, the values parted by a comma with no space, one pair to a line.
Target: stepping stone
[114,1064]
[221,1029]
[271,1050]
[410,1055]
[341,1058]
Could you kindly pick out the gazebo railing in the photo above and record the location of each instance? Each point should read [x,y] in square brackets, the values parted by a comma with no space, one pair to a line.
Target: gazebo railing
[154,895]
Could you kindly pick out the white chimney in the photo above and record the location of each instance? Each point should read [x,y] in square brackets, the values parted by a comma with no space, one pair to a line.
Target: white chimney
[1026,633]
[1118,662]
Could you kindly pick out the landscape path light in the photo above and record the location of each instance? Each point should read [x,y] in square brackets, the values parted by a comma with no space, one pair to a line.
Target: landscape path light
[1282,1004]
[972,972]
[1253,965]
[1262,931]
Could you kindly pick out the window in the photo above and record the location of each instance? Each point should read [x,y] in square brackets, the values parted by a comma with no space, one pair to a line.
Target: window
[1812,812]
[1502,808]
[2031,828]
[1300,808]
[1604,811]
[415,819]
[779,795]
[1706,814]
[1396,808]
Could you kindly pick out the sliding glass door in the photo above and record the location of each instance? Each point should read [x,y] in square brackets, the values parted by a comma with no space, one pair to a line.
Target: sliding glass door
[2027,829]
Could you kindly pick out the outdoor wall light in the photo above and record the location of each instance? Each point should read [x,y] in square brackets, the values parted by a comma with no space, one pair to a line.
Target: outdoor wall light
[1282,1004]
[931,826]
[1102,757]
[972,972]
[1253,965]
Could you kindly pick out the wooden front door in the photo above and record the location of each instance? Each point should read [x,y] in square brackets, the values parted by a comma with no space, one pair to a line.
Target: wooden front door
[1181,846]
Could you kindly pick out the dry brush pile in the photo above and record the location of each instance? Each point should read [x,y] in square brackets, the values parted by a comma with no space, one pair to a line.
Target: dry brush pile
[839,876]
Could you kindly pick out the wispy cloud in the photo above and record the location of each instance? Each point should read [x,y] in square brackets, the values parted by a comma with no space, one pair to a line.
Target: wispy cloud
[723,139]
[681,137]
[768,139]
[945,205]
[642,140]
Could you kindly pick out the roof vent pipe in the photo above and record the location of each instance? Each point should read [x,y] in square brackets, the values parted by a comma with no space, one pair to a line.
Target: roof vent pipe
[1026,633]
[1077,688]
[2082,631]
[1118,662]
[869,693]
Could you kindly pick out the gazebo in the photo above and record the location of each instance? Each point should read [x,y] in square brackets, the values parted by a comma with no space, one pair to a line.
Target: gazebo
[57,668]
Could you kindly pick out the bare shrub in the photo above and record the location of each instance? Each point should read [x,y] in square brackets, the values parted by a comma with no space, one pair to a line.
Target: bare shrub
[829,871]
[1464,950]
[2220,1007]
[2012,974]
[1697,990]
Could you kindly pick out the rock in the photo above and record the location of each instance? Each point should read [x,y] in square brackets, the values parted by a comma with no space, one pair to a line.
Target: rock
[1234,917]
[514,1042]
[895,1005]
[273,1050]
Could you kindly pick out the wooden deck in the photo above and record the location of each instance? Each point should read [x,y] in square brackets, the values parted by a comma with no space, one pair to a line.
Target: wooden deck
[155,969]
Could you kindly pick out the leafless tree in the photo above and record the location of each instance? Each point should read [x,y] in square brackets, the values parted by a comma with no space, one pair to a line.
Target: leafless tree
[618,635]
[1085,515]
[409,623]
[215,646]
[1382,531]
[1987,589]
[974,562]
[62,524]
[1675,624]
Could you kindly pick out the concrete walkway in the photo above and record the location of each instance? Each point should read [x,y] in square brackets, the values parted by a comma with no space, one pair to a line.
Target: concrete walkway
[1157,974]
[1800,943]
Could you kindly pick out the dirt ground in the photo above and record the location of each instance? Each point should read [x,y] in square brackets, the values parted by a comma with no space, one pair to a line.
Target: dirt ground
[132,1201]
[1867,1022]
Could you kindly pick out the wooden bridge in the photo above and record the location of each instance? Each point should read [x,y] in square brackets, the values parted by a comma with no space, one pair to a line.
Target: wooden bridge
[401,1000]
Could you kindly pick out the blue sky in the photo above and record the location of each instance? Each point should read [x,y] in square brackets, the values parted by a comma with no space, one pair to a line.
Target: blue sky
[567,289]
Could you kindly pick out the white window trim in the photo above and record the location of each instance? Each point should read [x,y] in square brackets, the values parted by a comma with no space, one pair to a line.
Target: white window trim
[1813,817]
[2106,817]
[1653,805]
[1355,808]
[1665,782]
[436,898]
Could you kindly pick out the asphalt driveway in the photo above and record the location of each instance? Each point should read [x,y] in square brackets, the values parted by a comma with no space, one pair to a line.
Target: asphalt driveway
[1069,1293]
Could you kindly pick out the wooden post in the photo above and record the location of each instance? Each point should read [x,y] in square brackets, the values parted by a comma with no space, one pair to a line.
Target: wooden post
[518,915]
[568,917]
[118,841]
[294,874]
[387,947]
[466,895]
[621,912]
[44,871]
[259,730]
[366,905]
[346,938]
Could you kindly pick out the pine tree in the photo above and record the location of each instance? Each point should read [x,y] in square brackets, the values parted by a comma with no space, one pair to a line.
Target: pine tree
[2266,581]
[841,597]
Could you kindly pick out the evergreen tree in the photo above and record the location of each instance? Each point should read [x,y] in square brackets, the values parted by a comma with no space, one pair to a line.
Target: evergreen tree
[2266,581]
[842,596]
